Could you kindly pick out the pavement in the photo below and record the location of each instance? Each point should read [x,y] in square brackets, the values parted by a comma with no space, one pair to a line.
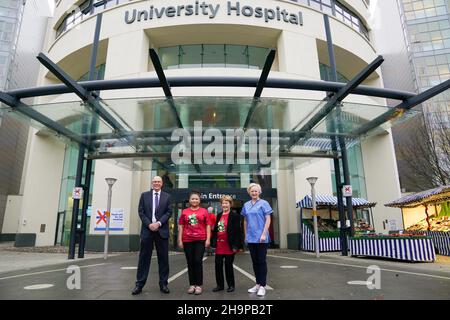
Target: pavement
[292,275]
[23,259]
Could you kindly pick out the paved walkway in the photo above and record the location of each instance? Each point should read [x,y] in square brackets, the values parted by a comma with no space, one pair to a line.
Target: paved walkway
[16,259]
[292,275]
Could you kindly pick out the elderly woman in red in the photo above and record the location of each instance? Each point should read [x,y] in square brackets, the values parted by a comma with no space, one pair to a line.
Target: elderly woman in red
[194,233]
[227,241]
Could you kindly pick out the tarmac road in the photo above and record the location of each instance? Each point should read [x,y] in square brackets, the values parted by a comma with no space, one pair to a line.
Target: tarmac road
[292,275]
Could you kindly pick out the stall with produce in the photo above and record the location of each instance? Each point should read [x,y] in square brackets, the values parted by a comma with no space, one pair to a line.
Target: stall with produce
[428,213]
[327,221]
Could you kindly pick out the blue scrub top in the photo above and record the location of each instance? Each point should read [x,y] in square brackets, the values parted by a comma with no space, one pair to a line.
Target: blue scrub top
[255,215]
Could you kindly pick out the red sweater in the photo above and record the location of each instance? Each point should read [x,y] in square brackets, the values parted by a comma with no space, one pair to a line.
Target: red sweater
[194,224]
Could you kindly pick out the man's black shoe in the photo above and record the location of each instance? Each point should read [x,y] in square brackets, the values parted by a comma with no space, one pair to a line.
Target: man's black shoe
[164,289]
[217,289]
[136,291]
[230,289]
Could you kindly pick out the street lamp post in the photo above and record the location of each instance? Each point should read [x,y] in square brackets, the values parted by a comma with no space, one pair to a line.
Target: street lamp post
[312,181]
[110,182]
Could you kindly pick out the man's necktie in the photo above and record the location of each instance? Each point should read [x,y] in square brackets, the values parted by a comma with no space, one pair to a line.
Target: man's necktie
[156,201]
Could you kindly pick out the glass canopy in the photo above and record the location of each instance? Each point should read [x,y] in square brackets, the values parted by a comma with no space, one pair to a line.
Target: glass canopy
[149,128]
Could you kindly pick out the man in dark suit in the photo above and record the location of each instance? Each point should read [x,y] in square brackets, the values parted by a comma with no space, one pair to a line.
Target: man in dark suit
[155,209]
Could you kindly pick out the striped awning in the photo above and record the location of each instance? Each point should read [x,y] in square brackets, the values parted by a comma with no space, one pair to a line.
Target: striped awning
[331,201]
[428,197]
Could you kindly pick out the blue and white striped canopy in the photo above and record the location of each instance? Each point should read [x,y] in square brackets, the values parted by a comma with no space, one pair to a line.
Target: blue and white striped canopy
[432,196]
[331,201]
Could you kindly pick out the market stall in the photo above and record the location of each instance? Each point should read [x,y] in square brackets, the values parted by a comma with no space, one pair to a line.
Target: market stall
[409,247]
[428,213]
[327,218]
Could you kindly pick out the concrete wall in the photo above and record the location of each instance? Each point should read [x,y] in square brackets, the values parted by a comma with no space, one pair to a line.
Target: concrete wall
[12,213]
[381,179]
[42,188]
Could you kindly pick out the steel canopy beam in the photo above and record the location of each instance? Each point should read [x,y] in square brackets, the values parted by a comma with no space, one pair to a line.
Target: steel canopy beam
[342,94]
[21,107]
[164,84]
[205,81]
[167,92]
[402,107]
[337,98]
[260,86]
[80,91]
[151,154]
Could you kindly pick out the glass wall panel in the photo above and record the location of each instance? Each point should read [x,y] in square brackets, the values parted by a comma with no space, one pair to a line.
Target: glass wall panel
[191,56]
[213,55]
[170,57]
[236,56]
[257,57]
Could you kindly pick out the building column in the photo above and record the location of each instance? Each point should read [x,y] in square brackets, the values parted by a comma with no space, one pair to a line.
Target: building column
[42,188]
[382,179]
[128,55]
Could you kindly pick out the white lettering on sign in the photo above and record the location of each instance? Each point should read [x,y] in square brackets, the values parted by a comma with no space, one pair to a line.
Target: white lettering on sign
[234,8]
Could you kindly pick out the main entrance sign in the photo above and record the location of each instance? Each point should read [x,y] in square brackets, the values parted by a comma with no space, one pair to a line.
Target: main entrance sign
[211,10]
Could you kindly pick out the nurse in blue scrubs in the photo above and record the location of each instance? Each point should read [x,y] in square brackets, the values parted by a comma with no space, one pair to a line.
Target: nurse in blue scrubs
[257,216]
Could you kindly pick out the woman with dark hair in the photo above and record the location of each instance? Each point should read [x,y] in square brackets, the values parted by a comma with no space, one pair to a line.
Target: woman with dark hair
[226,238]
[194,234]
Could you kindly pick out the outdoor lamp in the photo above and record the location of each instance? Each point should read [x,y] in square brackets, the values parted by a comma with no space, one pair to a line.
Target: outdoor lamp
[110,182]
[312,181]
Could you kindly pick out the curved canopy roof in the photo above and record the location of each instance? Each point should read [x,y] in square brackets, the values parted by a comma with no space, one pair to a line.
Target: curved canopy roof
[427,197]
[331,201]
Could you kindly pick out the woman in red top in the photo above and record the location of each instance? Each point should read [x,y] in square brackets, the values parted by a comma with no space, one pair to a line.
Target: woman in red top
[194,233]
[227,241]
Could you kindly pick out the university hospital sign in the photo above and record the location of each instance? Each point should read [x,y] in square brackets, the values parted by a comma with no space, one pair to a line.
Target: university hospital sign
[211,10]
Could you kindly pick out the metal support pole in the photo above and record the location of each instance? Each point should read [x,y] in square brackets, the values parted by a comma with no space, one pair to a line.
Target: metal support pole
[108,216]
[110,182]
[312,181]
[87,189]
[316,229]
[88,172]
[346,173]
[76,203]
[334,141]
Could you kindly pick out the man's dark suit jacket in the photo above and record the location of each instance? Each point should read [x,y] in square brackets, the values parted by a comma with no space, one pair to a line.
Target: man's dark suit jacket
[233,230]
[162,213]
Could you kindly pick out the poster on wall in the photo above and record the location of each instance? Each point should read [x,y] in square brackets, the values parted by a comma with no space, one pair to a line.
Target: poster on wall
[393,225]
[116,222]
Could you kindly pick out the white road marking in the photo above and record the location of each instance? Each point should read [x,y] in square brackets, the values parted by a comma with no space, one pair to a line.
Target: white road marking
[248,275]
[49,271]
[359,283]
[362,267]
[39,286]
[289,267]
[179,274]
[128,268]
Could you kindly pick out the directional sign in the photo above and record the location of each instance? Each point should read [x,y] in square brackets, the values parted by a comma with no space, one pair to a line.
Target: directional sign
[347,191]
[77,193]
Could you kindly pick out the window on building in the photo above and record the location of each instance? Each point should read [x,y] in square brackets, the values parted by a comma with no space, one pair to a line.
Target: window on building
[213,56]
[325,74]
[99,73]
